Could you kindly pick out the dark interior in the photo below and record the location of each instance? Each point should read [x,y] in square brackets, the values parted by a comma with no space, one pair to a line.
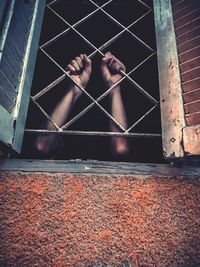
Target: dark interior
[98,29]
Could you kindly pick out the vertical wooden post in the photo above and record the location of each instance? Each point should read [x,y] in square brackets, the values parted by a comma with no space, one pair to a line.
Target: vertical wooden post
[172,112]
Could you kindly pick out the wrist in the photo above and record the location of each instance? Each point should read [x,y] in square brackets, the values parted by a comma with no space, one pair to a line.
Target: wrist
[115,91]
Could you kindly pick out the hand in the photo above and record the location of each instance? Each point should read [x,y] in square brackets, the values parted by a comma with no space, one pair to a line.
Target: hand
[80,70]
[110,68]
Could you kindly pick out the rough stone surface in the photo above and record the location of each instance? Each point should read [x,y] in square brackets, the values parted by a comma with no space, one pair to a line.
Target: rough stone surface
[87,220]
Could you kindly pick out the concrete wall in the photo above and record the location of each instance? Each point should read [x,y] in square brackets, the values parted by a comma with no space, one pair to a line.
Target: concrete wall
[59,219]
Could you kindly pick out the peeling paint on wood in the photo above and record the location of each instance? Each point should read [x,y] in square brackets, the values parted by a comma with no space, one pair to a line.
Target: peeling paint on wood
[172,113]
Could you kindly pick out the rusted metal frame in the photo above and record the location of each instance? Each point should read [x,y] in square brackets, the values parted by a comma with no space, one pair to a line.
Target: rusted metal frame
[175,21]
[102,47]
[121,25]
[95,48]
[187,23]
[85,92]
[141,118]
[93,133]
[74,25]
[171,102]
[80,114]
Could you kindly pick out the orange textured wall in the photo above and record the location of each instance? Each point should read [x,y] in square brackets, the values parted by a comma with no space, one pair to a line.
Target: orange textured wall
[86,220]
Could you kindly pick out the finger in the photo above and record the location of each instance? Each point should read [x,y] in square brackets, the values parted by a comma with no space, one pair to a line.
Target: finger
[121,65]
[81,56]
[79,62]
[108,54]
[75,65]
[113,64]
[71,68]
[118,67]
[86,60]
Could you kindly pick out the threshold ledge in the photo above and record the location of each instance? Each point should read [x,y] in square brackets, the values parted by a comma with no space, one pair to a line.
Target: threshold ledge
[98,167]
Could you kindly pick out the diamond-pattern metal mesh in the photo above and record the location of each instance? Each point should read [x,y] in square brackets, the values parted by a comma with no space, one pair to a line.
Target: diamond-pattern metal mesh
[117,24]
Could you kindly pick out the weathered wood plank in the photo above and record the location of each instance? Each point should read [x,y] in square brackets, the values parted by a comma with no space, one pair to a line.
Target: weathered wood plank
[172,112]
[6,132]
[98,167]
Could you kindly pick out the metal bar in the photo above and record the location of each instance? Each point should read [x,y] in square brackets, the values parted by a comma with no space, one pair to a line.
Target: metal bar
[105,45]
[145,4]
[117,22]
[141,118]
[49,87]
[74,25]
[46,115]
[82,20]
[94,47]
[62,77]
[52,2]
[71,26]
[86,93]
[101,97]
[90,133]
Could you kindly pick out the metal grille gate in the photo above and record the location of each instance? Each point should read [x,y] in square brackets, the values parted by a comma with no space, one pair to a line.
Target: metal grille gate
[98,6]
